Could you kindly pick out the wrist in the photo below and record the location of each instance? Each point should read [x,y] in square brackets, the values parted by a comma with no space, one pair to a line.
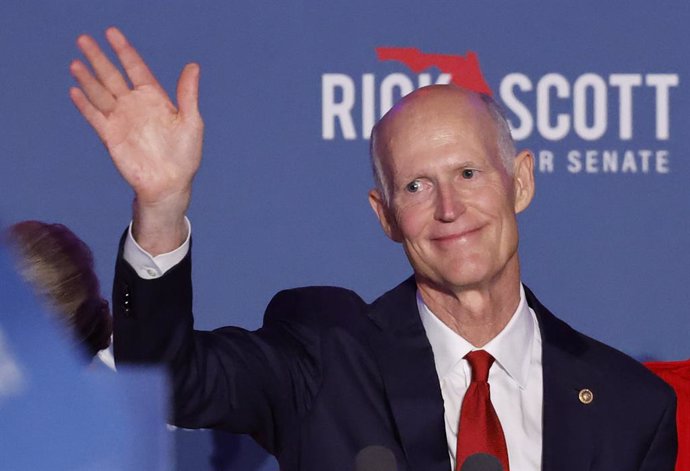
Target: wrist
[160,227]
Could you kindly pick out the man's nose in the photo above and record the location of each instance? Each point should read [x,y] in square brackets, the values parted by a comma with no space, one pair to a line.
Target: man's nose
[449,204]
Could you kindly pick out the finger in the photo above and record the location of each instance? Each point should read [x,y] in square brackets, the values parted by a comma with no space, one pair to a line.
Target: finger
[97,94]
[188,91]
[137,70]
[92,115]
[107,73]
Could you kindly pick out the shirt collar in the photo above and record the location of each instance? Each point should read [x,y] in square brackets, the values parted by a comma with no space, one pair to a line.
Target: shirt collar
[511,347]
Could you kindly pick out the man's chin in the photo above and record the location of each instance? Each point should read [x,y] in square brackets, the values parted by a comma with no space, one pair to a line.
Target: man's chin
[455,281]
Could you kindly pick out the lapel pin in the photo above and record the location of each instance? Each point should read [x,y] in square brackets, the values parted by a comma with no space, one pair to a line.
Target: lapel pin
[586,396]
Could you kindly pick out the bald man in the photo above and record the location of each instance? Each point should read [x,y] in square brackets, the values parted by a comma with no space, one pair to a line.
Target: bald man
[330,382]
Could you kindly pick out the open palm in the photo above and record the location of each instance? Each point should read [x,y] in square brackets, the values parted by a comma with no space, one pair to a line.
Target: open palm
[155,146]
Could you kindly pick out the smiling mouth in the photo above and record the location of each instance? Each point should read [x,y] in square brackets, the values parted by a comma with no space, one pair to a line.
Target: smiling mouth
[457,236]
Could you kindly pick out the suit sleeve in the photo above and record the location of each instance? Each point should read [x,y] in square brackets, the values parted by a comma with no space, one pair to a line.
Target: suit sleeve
[663,450]
[239,381]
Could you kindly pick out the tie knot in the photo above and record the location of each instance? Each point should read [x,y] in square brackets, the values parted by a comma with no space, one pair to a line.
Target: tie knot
[480,361]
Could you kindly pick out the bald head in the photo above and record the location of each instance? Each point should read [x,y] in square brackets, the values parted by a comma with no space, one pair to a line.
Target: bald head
[443,106]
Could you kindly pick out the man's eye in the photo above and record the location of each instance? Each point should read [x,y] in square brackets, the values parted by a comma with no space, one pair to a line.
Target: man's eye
[414,186]
[468,173]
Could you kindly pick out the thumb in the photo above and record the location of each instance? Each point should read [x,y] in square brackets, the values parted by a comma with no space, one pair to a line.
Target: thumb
[188,90]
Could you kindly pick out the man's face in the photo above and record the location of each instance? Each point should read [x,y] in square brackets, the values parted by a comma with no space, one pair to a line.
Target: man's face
[452,202]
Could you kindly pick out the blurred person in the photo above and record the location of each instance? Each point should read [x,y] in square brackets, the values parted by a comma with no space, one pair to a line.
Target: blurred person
[58,415]
[59,267]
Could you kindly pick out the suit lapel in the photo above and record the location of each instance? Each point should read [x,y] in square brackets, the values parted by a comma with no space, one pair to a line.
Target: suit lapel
[409,374]
[412,388]
[568,424]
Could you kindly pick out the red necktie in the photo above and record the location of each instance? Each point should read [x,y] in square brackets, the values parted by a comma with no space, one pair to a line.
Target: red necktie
[480,431]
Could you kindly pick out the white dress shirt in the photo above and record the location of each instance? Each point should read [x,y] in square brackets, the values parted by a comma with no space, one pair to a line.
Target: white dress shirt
[146,265]
[515,380]
[515,377]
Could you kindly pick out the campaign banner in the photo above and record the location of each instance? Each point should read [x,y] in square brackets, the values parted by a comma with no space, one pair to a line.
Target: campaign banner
[289,94]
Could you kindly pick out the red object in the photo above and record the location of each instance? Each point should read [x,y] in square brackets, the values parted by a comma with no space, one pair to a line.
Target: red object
[677,374]
[464,70]
[480,430]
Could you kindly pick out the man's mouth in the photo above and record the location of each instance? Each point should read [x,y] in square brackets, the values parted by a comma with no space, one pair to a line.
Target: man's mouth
[457,236]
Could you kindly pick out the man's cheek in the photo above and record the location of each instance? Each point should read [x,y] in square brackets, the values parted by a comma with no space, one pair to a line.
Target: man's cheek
[411,229]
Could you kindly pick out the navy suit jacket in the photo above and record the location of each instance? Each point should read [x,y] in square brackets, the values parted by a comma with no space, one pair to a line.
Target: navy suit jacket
[329,375]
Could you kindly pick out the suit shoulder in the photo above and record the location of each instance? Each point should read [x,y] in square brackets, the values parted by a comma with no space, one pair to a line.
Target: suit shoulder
[618,369]
[315,305]
[615,368]
[615,364]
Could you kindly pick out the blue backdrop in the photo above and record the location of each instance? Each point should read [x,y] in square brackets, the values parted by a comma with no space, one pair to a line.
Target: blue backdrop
[288,93]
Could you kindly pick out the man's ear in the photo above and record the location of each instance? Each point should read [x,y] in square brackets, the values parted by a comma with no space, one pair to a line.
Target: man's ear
[386,219]
[523,180]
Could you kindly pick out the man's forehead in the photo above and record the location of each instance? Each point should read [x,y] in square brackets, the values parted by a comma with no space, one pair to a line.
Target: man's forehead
[436,100]
[433,111]
[432,115]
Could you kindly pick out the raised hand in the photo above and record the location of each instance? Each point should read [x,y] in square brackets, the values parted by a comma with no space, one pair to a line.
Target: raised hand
[155,145]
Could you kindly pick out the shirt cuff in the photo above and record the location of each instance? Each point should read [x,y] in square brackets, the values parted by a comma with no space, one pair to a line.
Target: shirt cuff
[146,265]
